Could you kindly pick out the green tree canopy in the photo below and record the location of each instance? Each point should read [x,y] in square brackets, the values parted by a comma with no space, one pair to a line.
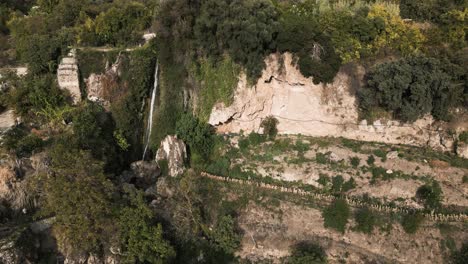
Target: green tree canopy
[79,196]
[142,239]
[410,88]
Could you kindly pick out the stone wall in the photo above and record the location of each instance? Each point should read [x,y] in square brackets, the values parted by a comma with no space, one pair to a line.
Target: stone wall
[68,77]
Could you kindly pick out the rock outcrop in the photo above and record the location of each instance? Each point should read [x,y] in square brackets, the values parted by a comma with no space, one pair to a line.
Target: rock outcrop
[7,121]
[174,151]
[303,107]
[100,86]
[462,150]
[68,78]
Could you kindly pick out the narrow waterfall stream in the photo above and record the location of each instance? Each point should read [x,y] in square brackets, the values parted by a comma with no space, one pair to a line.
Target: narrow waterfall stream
[150,115]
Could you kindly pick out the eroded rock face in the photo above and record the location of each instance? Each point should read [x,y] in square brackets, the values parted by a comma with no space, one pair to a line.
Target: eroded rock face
[67,76]
[100,86]
[303,107]
[174,151]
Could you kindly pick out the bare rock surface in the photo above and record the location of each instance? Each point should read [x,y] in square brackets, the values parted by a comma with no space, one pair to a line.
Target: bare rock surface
[7,120]
[174,151]
[462,150]
[67,75]
[303,107]
[100,85]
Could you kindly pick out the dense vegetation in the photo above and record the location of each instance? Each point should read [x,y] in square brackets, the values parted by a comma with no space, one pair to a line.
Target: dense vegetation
[201,48]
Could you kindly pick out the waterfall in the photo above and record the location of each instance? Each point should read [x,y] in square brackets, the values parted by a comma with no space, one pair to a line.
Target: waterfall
[150,116]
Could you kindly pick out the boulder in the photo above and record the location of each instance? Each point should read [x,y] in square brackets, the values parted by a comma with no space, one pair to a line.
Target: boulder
[174,151]
[142,174]
[462,150]
[392,155]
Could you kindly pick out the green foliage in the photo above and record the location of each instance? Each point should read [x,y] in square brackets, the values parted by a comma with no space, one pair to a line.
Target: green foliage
[244,29]
[224,235]
[21,143]
[336,215]
[321,158]
[269,125]
[337,183]
[381,154]
[34,95]
[218,82]
[323,179]
[119,25]
[460,256]
[307,252]
[463,137]
[93,130]
[142,239]
[411,222]
[252,140]
[410,88]
[300,34]
[137,80]
[370,160]
[431,194]
[197,134]
[355,161]
[431,10]
[79,196]
[365,219]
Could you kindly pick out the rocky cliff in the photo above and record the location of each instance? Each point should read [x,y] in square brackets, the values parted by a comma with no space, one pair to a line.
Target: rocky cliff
[318,110]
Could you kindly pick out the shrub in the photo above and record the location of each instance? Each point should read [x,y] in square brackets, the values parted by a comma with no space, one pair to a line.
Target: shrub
[321,158]
[412,222]
[307,252]
[198,135]
[365,220]
[349,185]
[337,183]
[323,179]
[463,137]
[355,161]
[269,125]
[460,256]
[370,160]
[225,236]
[381,154]
[21,143]
[431,194]
[336,215]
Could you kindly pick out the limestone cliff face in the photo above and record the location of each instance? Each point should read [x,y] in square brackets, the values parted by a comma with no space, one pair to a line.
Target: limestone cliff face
[316,110]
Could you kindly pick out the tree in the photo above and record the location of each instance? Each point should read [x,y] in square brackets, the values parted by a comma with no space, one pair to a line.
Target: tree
[79,196]
[410,88]
[336,215]
[269,125]
[142,239]
[245,29]
[307,252]
[365,220]
[196,134]
[430,194]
